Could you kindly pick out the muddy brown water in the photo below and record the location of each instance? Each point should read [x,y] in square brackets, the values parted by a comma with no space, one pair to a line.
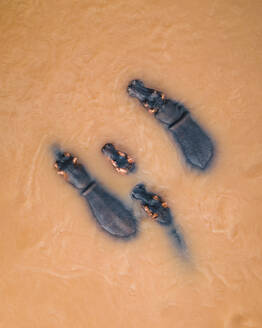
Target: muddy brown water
[64,69]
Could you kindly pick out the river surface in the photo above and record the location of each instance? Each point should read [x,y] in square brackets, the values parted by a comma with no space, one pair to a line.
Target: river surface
[64,69]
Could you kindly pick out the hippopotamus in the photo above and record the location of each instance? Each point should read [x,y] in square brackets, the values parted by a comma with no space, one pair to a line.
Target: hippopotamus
[194,142]
[111,214]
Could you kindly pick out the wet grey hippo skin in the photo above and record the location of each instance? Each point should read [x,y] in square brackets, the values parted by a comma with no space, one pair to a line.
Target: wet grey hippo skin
[110,213]
[121,162]
[196,146]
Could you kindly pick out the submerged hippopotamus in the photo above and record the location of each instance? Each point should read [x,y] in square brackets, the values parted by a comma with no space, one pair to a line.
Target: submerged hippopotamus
[122,162]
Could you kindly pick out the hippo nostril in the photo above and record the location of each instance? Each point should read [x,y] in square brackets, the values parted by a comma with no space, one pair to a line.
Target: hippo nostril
[134,84]
[56,150]
[107,147]
[137,191]
[133,195]
[131,84]
[130,89]
[140,186]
